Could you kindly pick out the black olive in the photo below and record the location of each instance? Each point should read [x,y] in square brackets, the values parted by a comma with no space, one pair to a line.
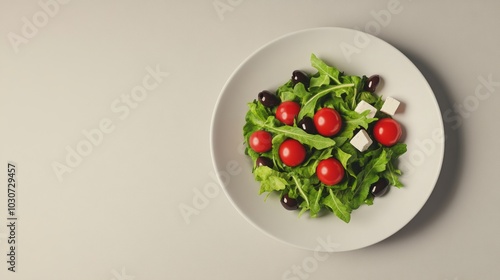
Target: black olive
[268,99]
[300,77]
[289,203]
[307,124]
[372,83]
[380,187]
[264,161]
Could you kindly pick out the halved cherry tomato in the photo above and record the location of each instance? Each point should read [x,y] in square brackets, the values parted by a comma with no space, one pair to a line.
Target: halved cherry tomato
[330,171]
[327,122]
[260,141]
[292,152]
[287,112]
[387,131]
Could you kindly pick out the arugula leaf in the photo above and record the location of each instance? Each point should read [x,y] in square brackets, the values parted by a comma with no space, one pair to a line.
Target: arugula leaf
[398,149]
[285,91]
[314,198]
[354,120]
[369,175]
[301,93]
[271,180]
[309,106]
[392,173]
[351,99]
[325,69]
[301,189]
[276,142]
[340,209]
[257,114]
[343,157]
[318,80]
[369,98]
[313,140]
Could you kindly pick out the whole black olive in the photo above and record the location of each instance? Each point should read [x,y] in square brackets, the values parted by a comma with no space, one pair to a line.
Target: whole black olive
[372,83]
[264,161]
[307,124]
[380,187]
[300,77]
[268,99]
[289,203]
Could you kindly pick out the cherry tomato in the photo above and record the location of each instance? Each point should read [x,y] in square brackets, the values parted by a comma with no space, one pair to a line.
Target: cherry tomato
[387,131]
[287,112]
[330,171]
[327,121]
[292,152]
[260,141]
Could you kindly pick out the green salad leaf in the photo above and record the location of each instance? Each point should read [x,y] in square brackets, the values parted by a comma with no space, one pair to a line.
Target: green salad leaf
[339,208]
[325,70]
[330,88]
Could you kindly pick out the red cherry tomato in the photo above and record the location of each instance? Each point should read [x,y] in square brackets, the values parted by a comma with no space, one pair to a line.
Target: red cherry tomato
[292,153]
[260,141]
[327,121]
[330,171]
[287,111]
[387,131]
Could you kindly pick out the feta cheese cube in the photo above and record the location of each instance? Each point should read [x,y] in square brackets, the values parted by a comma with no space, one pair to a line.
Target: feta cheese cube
[390,106]
[361,140]
[363,106]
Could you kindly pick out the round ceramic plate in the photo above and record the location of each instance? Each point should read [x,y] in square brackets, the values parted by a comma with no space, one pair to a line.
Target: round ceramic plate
[354,53]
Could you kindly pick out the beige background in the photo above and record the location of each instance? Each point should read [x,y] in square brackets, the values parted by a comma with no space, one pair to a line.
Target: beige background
[105,107]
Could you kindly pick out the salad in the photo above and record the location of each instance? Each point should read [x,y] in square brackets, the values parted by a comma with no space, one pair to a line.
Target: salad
[324,141]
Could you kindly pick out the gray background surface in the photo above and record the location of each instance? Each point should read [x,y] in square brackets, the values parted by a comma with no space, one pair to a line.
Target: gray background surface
[68,67]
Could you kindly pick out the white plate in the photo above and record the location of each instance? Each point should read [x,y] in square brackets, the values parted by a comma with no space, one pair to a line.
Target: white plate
[354,53]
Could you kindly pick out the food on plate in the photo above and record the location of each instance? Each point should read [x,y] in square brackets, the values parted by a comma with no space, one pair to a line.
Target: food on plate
[390,106]
[324,141]
[387,131]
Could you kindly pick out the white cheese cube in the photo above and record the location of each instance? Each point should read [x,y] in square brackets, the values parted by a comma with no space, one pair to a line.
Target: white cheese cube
[390,106]
[361,140]
[363,106]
